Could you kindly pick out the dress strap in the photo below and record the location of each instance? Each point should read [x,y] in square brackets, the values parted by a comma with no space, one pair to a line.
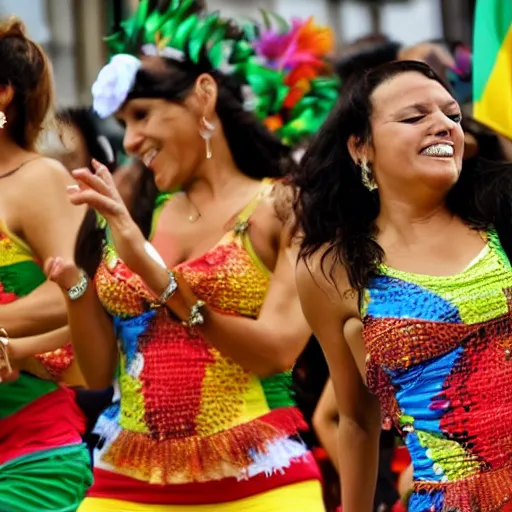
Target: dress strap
[242,221]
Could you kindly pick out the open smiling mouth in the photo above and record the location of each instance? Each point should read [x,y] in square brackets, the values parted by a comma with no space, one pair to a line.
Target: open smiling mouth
[149,156]
[439,150]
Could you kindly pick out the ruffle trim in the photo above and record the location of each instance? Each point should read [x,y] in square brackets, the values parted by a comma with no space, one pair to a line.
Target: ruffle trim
[238,452]
[486,492]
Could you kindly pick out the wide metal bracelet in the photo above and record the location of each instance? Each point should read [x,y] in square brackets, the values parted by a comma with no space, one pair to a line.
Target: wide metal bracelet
[169,291]
[4,349]
[195,317]
[77,291]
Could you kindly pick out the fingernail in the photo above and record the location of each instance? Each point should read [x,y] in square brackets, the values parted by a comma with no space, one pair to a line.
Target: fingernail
[73,188]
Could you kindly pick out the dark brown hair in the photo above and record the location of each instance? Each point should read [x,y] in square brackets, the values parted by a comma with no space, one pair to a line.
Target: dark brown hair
[26,68]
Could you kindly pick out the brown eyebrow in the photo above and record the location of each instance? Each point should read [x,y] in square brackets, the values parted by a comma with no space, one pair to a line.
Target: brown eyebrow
[423,108]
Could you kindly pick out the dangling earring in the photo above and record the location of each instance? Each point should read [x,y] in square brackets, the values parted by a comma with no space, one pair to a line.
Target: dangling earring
[367,177]
[206,131]
[3,119]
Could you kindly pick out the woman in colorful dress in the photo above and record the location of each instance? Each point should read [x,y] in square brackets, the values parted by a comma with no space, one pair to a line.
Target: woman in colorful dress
[405,279]
[207,317]
[43,463]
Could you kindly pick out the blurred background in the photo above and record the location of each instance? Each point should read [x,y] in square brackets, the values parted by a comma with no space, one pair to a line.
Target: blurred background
[71,30]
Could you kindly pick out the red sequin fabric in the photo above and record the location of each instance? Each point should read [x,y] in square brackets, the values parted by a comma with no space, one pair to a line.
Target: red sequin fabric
[185,413]
[439,359]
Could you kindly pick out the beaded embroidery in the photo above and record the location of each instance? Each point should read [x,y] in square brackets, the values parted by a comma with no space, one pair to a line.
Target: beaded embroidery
[20,274]
[439,361]
[186,413]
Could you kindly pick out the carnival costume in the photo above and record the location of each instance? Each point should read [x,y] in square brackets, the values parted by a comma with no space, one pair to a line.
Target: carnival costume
[44,465]
[191,429]
[440,360]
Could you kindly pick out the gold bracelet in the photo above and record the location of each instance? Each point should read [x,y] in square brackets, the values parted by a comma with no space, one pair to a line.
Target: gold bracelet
[4,348]
[195,316]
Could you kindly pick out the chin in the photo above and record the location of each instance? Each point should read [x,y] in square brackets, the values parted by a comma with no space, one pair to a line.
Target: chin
[442,178]
[164,181]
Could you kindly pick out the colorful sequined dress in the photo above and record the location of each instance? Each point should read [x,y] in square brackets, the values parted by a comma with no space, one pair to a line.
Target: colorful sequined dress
[190,426]
[43,463]
[439,359]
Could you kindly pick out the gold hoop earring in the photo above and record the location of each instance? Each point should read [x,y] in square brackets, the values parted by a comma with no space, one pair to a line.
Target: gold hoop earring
[3,119]
[206,130]
[367,177]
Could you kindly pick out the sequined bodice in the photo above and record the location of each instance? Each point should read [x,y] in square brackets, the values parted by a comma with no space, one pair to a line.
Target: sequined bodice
[19,272]
[180,400]
[439,358]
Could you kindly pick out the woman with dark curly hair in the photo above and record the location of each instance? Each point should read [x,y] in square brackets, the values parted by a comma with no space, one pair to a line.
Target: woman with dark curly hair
[405,277]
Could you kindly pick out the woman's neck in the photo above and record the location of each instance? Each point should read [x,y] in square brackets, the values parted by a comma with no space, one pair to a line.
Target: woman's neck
[406,221]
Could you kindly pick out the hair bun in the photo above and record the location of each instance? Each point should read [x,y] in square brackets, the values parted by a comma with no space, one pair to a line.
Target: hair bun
[12,27]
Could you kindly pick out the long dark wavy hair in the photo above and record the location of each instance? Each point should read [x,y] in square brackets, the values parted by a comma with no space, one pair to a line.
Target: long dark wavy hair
[335,213]
[257,152]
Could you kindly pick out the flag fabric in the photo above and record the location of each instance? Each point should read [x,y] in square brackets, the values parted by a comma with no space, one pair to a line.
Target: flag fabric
[492,65]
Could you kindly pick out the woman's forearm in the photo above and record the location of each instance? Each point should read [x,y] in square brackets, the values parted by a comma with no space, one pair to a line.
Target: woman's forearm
[21,348]
[93,338]
[39,312]
[253,344]
[358,465]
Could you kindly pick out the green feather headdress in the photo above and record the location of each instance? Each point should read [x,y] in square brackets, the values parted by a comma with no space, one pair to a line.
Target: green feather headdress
[292,89]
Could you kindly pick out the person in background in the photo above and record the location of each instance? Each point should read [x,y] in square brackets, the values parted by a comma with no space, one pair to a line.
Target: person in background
[44,465]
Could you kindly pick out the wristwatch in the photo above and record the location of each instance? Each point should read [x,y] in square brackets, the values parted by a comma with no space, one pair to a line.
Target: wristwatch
[76,291]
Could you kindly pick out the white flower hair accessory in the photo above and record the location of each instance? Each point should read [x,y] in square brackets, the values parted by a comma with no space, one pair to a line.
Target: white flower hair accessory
[114,83]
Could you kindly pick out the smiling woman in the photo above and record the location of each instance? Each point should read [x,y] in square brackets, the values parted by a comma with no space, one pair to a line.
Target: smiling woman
[405,277]
[195,303]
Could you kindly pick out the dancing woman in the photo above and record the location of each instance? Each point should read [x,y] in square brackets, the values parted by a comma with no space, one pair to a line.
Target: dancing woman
[43,463]
[405,278]
[207,317]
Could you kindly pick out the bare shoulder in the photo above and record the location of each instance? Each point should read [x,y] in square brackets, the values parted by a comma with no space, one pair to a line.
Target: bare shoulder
[42,174]
[323,286]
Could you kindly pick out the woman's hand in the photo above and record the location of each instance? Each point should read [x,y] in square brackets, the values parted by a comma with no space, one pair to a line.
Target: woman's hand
[100,192]
[62,272]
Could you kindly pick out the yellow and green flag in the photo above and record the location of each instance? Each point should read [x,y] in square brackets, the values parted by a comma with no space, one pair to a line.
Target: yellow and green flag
[492,65]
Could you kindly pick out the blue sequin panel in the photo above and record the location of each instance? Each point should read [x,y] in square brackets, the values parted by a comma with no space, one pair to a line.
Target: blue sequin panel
[386,300]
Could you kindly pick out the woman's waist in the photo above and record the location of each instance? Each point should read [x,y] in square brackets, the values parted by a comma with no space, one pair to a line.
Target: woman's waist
[190,455]
[112,484]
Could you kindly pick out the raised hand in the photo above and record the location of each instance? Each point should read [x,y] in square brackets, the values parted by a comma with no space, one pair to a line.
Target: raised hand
[100,192]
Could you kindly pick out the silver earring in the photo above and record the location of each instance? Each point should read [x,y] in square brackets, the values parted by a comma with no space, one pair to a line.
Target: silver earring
[3,119]
[367,177]
[206,131]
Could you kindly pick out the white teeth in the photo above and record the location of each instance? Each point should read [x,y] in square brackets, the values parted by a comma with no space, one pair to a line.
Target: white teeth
[147,158]
[438,150]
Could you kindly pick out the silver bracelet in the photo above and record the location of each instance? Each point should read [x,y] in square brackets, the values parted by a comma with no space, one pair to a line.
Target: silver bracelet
[77,291]
[169,291]
[4,349]
[195,316]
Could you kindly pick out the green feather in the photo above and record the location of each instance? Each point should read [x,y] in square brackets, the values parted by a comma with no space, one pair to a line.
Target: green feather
[183,32]
[151,27]
[200,36]
[116,43]
[216,50]
[137,26]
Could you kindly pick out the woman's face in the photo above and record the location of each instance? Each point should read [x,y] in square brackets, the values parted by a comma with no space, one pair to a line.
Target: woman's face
[417,139]
[165,137]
